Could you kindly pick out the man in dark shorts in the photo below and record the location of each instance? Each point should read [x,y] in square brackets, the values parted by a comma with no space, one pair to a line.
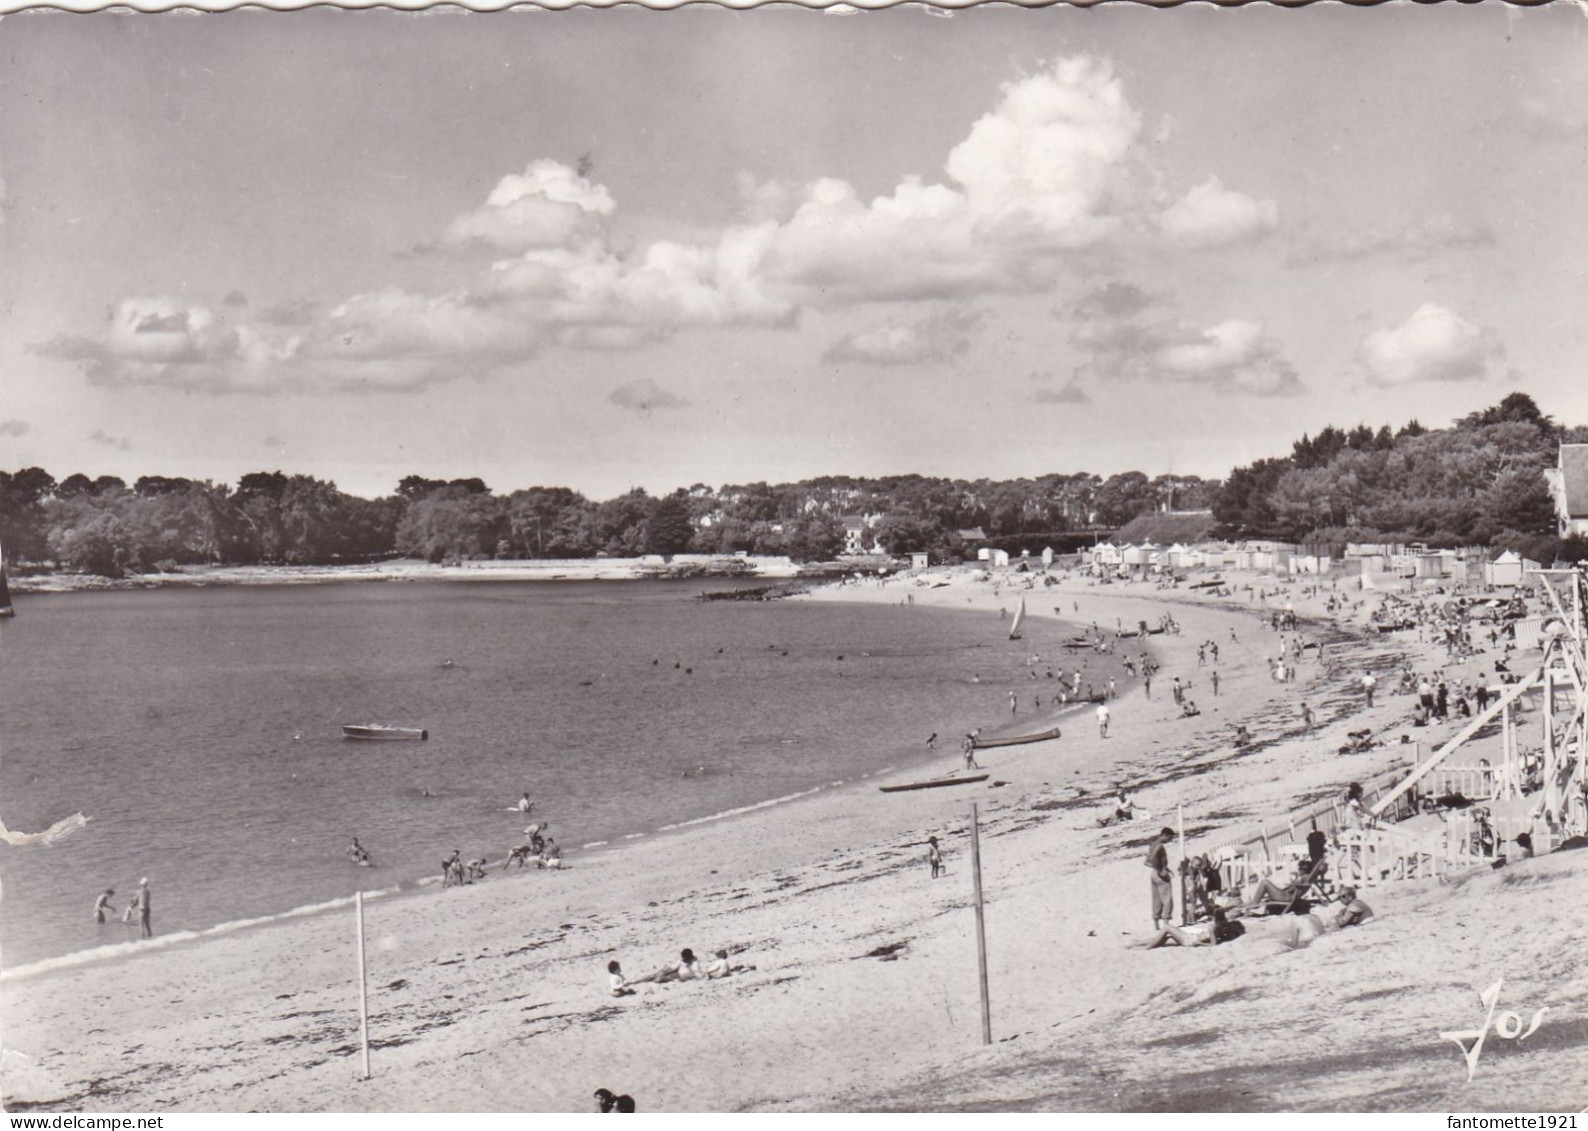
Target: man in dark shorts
[1162,880]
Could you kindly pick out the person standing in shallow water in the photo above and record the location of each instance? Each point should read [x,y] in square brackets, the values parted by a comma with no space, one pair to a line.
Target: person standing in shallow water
[102,905]
[144,910]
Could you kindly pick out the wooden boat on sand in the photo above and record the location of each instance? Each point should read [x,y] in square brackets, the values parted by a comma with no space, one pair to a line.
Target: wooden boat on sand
[935,783]
[1015,739]
[380,732]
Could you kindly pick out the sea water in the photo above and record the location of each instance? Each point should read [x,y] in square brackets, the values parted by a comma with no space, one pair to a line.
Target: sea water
[200,729]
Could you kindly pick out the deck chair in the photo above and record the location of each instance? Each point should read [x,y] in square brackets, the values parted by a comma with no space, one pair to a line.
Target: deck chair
[1313,888]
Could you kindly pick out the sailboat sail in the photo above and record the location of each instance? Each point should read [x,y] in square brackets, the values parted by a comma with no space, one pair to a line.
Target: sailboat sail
[5,590]
[1020,619]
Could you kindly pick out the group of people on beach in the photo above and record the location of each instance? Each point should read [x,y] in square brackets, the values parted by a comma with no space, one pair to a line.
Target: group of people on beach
[139,909]
[688,968]
[1215,917]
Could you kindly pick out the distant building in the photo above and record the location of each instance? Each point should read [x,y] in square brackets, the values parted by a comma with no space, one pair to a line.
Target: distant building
[1568,485]
[858,538]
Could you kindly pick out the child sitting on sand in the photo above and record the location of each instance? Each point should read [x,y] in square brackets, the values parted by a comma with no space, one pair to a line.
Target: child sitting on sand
[618,984]
[721,968]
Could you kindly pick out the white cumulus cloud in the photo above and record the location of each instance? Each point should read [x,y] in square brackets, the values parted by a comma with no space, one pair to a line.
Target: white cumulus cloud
[547,205]
[1045,172]
[1236,356]
[1434,344]
[1211,215]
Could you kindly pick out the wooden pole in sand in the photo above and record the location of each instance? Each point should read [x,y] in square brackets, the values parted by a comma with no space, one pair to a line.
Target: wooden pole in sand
[981,923]
[363,987]
[1185,871]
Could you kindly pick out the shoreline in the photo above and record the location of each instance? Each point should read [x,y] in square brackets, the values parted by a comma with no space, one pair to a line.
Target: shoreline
[681,567]
[907,760]
[798,890]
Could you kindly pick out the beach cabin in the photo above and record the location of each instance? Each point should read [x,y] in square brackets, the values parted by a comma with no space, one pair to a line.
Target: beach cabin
[919,561]
[1047,556]
[998,559]
[1504,570]
[1107,555]
[1428,565]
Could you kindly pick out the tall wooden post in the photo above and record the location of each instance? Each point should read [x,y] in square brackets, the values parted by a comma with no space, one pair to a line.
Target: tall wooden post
[981,923]
[363,987]
[1185,870]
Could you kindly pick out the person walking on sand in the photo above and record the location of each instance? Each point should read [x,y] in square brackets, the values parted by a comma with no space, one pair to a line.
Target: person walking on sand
[1102,720]
[1214,680]
[1146,684]
[934,856]
[1162,879]
[144,909]
[102,906]
[1368,684]
[1113,690]
[969,749]
[1307,717]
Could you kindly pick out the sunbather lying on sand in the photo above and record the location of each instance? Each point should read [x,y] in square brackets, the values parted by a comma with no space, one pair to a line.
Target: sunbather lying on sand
[1306,928]
[686,969]
[1220,930]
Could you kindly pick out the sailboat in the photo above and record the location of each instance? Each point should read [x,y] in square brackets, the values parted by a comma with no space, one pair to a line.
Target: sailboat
[5,590]
[1020,618]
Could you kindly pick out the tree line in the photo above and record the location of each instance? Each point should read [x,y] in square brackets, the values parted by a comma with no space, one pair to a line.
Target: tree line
[1477,482]
[108,527]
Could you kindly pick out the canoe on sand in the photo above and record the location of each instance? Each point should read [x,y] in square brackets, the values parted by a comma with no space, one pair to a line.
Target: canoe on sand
[1016,739]
[935,783]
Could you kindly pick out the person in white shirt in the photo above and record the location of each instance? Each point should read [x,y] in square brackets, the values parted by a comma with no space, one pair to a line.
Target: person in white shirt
[1102,720]
[619,985]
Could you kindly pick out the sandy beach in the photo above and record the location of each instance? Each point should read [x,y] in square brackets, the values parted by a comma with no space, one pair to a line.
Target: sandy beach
[862,987]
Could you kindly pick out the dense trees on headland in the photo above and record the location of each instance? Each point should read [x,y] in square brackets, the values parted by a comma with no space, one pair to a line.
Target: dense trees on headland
[1476,482]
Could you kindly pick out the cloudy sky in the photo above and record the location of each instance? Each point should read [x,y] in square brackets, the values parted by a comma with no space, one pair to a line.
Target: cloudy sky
[608,249]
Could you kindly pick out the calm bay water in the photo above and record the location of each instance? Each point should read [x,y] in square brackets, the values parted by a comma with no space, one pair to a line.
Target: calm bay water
[200,729]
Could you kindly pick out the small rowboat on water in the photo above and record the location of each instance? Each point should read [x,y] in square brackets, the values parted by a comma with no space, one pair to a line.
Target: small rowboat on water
[935,783]
[1016,739]
[382,732]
